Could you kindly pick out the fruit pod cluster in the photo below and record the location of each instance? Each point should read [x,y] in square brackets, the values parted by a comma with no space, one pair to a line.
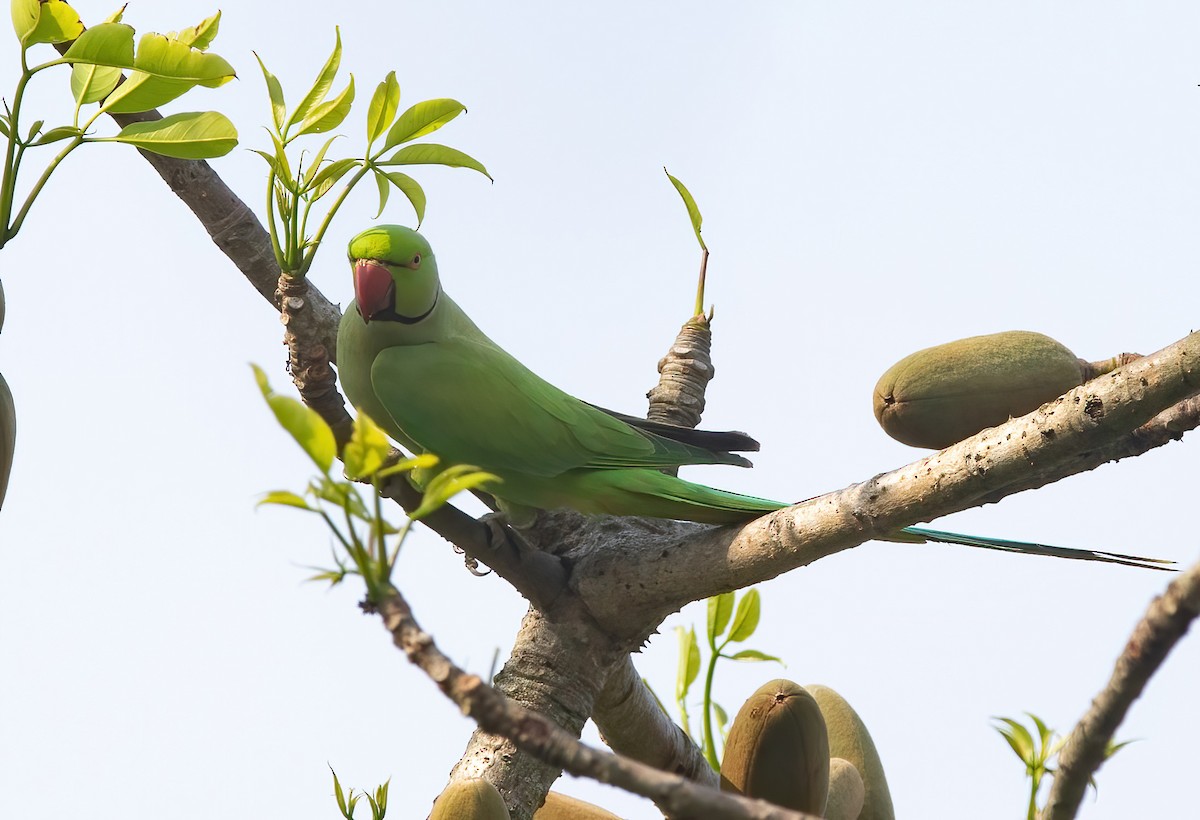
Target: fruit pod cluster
[805,749]
[8,421]
[944,394]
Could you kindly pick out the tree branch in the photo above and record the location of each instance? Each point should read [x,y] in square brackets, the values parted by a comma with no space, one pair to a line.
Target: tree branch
[534,734]
[1084,749]
[637,571]
[633,724]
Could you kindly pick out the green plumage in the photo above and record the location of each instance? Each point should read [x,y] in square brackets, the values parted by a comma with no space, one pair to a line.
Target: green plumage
[414,362]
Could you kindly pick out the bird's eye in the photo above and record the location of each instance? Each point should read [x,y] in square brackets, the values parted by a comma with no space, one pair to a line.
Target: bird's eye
[416,259]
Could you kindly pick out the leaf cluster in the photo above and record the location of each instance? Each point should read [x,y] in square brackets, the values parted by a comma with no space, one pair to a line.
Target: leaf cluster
[110,72]
[1037,753]
[347,801]
[296,184]
[741,618]
[362,534]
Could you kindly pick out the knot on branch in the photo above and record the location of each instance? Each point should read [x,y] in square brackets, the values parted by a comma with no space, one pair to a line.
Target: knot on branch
[308,359]
[685,372]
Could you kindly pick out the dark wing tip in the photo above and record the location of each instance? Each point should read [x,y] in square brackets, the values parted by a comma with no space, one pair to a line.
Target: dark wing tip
[731,441]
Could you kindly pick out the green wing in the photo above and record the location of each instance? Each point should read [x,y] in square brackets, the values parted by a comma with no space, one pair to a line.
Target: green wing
[470,402]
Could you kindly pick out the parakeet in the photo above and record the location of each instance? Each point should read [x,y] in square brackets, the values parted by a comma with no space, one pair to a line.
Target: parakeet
[415,363]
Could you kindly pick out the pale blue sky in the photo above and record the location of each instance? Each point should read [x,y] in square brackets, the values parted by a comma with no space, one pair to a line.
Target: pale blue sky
[875,178]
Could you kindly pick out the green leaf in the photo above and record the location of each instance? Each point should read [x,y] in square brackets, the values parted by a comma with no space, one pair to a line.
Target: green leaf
[199,36]
[274,93]
[722,717]
[116,16]
[338,793]
[57,23]
[285,499]
[720,609]
[1019,739]
[689,661]
[382,110]
[1113,748]
[407,465]
[283,201]
[367,449]
[91,83]
[315,166]
[381,796]
[411,189]
[321,85]
[752,655]
[328,176]
[164,57]
[308,429]
[4,128]
[449,483]
[34,130]
[283,170]
[329,115]
[25,14]
[385,188]
[690,204]
[190,135]
[343,495]
[746,619]
[429,153]
[166,69]
[109,44]
[270,159]
[63,132]
[333,576]
[421,119]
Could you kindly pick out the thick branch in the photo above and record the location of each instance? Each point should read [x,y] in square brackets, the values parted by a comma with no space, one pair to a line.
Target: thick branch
[633,724]
[1167,426]
[534,734]
[1164,624]
[645,570]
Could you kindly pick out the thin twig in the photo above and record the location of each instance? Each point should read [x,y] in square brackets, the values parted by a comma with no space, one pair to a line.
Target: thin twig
[1166,621]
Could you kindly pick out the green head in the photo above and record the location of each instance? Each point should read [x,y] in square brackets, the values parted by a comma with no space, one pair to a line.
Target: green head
[395,275]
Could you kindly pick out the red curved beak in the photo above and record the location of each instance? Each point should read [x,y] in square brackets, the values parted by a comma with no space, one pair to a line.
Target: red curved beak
[374,289]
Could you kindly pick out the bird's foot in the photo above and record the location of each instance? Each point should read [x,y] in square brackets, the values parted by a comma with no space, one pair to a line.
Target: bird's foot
[503,534]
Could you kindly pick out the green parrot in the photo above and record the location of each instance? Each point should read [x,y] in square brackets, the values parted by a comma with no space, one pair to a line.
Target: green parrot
[415,363]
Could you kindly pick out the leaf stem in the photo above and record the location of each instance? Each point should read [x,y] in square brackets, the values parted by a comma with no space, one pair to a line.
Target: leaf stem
[700,285]
[45,177]
[710,743]
[11,161]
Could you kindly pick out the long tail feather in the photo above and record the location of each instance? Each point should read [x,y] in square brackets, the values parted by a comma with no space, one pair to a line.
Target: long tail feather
[1028,548]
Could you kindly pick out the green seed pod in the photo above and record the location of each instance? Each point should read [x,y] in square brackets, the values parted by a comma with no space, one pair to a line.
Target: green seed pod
[947,393]
[8,435]
[469,800]
[850,740]
[778,750]
[847,792]
[560,807]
